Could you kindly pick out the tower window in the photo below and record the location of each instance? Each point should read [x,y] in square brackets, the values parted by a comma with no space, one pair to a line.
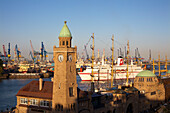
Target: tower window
[58,107]
[70,91]
[63,43]
[67,43]
[61,107]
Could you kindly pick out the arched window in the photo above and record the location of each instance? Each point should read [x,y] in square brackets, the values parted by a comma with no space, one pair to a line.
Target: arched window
[61,107]
[67,43]
[63,43]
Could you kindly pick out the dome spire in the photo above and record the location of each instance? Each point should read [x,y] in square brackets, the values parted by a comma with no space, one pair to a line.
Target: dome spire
[65,32]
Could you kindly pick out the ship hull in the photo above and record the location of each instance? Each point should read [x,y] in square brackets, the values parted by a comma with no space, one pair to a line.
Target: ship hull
[106,76]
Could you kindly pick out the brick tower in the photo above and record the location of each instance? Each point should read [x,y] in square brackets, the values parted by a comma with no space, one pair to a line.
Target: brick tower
[64,82]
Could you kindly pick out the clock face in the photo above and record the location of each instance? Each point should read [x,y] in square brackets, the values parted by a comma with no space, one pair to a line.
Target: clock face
[70,58]
[60,58]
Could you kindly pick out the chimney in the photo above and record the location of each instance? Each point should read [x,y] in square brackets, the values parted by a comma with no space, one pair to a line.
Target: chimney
[40,83]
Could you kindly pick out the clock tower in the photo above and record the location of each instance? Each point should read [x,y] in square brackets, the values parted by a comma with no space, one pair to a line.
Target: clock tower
[64,82]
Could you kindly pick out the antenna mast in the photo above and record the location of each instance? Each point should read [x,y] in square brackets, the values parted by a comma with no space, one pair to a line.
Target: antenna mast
[92,74]
[112,49]
[127,75]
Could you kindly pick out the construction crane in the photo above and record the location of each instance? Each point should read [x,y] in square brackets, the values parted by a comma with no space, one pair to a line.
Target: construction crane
[17,52]
[45,52]
[137,56]
[86,49]
[9,55]
[32,50]
[33,53]
[42,51]
[4,51]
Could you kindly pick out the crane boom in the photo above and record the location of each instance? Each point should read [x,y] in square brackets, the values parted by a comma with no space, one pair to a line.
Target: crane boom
[42,48]
[86,52]
[86,49]
[4,51]
[32,49]
[9,55]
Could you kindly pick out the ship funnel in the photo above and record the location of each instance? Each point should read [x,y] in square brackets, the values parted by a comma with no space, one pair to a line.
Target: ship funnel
[119,61]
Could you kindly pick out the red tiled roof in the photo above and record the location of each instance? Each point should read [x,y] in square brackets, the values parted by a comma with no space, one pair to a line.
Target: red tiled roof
[32,90]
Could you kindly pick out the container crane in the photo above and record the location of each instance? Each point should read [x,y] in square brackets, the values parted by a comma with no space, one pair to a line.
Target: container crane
[9,55]
[4,51]
[86,49]
[42,51]
[33,53]
[86,52]
[17,52]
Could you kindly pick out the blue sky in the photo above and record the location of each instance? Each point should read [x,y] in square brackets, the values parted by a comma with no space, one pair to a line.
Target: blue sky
[145,23]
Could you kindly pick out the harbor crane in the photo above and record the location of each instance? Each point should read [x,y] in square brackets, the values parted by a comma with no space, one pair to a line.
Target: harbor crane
[42,51]
[4,51]
[33,53]
[9,55]
[17,52]
[86,49]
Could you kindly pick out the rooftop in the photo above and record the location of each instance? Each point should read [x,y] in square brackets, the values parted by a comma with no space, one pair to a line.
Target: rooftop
[65,32]
[146,73]
[32,90]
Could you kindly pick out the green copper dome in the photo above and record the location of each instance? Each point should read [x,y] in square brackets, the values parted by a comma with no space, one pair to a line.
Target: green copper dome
[65,32]
[168,71]
[146,73]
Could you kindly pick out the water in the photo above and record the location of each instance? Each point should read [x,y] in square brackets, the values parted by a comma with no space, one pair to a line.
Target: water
[10,87]
[8,90]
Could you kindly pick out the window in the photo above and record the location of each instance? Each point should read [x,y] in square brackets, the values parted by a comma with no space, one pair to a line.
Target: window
[153,93]
[34,102]
[23,101]
[71,91]
[44,103]
[63,43]
[61,107]
[67,43]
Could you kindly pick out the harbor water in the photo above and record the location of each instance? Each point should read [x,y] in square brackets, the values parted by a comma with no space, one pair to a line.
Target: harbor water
[10,87]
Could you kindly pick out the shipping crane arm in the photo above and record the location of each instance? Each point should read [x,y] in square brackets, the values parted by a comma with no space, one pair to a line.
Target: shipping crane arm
[4,51]
[86,49]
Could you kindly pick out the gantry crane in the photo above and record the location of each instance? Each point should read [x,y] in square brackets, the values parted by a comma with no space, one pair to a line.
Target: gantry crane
[86,49]
[4,51]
